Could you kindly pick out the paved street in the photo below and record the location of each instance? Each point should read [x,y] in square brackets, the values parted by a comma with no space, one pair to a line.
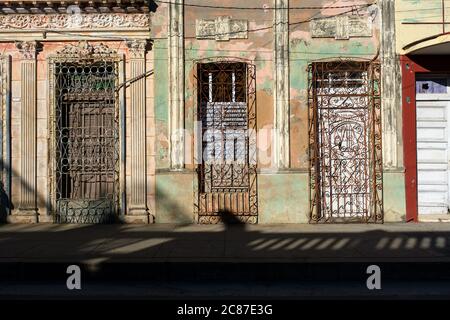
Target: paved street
[129,261]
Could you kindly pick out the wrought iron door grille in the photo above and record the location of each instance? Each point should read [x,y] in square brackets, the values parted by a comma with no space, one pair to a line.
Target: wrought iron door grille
[3,92]
[345,142]
[227,175]
[87,141]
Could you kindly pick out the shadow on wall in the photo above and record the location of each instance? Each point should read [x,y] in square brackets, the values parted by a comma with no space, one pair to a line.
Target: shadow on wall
[5,204]
[152,6]
[172,208]
[230,220]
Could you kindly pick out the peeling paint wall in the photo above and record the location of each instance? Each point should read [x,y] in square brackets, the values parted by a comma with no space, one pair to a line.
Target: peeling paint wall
[305,49]
[43,143]
[283,194]
[283,189]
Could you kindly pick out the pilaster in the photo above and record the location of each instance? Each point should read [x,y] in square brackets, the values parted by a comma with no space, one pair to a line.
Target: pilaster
[176,84]
[27,209]
[137,206]
[281,88]
[391,90]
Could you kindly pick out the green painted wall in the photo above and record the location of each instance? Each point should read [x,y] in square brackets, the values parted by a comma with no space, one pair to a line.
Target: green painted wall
[174,191]
[283,198]
[302,52]
[174,197]
[161,103]
[394,196]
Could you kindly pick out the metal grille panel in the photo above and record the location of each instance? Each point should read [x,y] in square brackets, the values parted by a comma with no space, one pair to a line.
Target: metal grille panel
[87,141]
[345,142]
[3,92]
[227,175]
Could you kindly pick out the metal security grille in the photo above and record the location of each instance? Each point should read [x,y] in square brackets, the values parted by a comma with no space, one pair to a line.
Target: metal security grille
[345,142]
[3,92]
[87,142]
[227,174]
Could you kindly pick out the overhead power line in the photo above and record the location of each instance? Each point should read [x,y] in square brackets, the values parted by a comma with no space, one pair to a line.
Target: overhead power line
[264,8]
[279,23]
[271,26]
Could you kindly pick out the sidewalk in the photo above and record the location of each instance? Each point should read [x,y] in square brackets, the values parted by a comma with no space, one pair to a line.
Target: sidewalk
[217,260]
[219,243]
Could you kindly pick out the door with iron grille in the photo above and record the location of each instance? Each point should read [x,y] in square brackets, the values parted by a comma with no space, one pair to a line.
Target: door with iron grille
[227,111]
[345,142]
[87,141]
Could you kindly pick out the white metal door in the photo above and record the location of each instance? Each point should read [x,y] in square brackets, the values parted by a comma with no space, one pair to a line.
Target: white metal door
[432,156]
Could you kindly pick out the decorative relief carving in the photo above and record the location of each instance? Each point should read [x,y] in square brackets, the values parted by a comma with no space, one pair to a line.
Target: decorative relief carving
[84,50]
[27,49]
[137,48]
[222,29]
[341,27]
[76,21]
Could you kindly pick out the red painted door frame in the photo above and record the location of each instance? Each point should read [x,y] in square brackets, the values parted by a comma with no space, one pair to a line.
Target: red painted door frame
[411,65]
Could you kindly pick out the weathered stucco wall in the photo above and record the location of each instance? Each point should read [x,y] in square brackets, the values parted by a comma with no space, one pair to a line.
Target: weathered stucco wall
[409,12]
[280,55]
[43,120]
[394,196]
[283,194]
[283,198]
[174,198]
[304,49]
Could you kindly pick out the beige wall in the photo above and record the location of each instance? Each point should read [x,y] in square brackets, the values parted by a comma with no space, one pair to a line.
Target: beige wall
[411,11]
[43,142]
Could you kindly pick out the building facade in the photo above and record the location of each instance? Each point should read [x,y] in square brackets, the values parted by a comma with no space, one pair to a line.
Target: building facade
[75,89]
[279,111]
[423,48]
[314,99]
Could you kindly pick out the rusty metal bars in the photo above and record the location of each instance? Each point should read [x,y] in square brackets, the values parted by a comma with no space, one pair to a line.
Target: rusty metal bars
[227,111]
[87,141]
[345,142]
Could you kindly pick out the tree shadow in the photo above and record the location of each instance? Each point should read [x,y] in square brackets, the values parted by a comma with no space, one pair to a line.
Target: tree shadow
[230,220]
[166,253]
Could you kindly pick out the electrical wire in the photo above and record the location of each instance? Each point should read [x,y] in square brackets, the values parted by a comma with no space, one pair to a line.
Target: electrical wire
[273,25]
[260,8]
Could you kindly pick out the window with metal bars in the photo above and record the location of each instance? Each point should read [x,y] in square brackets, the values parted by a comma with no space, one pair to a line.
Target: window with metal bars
[86,141]
[345,142]
[224,116]
[227,111]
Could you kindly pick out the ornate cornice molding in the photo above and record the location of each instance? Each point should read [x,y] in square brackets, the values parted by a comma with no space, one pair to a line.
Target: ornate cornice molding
[28,49]
[87,6]
[74,21]
[138,48]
